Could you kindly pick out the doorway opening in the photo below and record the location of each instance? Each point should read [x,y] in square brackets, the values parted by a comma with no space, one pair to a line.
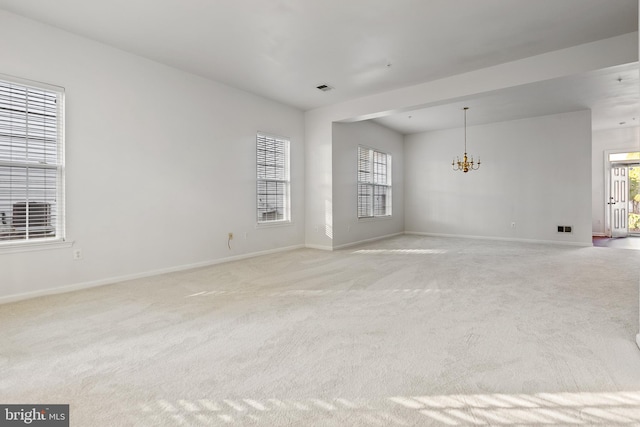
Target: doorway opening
[623,216]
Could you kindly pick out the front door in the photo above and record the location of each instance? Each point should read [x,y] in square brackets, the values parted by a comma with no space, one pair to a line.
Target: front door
[634,199]
[619,203]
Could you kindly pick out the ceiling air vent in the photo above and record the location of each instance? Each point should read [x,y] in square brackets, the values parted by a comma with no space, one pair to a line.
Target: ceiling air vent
[324,88]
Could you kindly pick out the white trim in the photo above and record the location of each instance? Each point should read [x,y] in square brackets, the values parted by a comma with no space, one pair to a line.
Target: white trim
[599,235]
[268,224]
[112,280]
[273,135]
[504,239]
[59,167]
[62,171]
[607,183]
[389,185]
[286,181]
[375,218]
[31,83]
[319,247]
[373,239]
[36,245]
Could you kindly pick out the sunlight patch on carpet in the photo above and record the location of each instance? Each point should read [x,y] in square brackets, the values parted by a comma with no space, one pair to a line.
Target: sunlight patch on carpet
[553,409]
[521,409]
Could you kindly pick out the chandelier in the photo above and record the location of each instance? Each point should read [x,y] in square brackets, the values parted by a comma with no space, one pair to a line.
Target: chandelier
[465,165]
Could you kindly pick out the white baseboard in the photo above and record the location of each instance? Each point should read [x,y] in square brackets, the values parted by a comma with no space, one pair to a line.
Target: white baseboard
[503,239]
[638,340]
[373,239]
[320,247]
[116,279]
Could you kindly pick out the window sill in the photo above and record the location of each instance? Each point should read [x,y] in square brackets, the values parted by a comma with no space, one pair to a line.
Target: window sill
[13,247]
[375,218]
[274,224]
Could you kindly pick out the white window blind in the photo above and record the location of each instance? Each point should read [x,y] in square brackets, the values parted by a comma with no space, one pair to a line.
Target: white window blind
[31,163]
[273,199]
[374,183]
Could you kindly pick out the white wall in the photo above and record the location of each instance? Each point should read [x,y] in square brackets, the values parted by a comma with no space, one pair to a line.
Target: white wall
[160,163]
[347,229]
[318,123]
[318,187]
[625,139]
[535,172]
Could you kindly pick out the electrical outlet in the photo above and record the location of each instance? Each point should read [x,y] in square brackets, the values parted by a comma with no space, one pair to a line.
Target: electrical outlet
[230,236]
[77,254]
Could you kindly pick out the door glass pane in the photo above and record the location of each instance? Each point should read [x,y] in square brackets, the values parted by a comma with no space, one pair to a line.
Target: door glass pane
[634,199]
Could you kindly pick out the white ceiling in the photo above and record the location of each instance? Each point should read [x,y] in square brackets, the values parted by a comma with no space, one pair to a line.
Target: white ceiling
[283,49]
[611,94]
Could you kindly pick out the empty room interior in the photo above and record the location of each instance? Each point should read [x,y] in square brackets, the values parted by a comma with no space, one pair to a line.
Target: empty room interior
[326,213]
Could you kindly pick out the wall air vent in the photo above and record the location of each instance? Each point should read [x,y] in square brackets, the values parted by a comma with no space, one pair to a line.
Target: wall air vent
[324,88]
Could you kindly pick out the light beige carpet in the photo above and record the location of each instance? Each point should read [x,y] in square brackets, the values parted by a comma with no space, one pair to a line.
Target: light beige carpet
[401,332]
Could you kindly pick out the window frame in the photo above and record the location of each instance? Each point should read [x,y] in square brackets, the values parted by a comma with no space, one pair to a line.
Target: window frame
[373,184]
[281,183]
[8,241]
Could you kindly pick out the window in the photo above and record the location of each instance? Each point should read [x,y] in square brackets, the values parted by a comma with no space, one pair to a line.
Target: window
[374,183]
[622,157]
[272,159]
[31,162]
